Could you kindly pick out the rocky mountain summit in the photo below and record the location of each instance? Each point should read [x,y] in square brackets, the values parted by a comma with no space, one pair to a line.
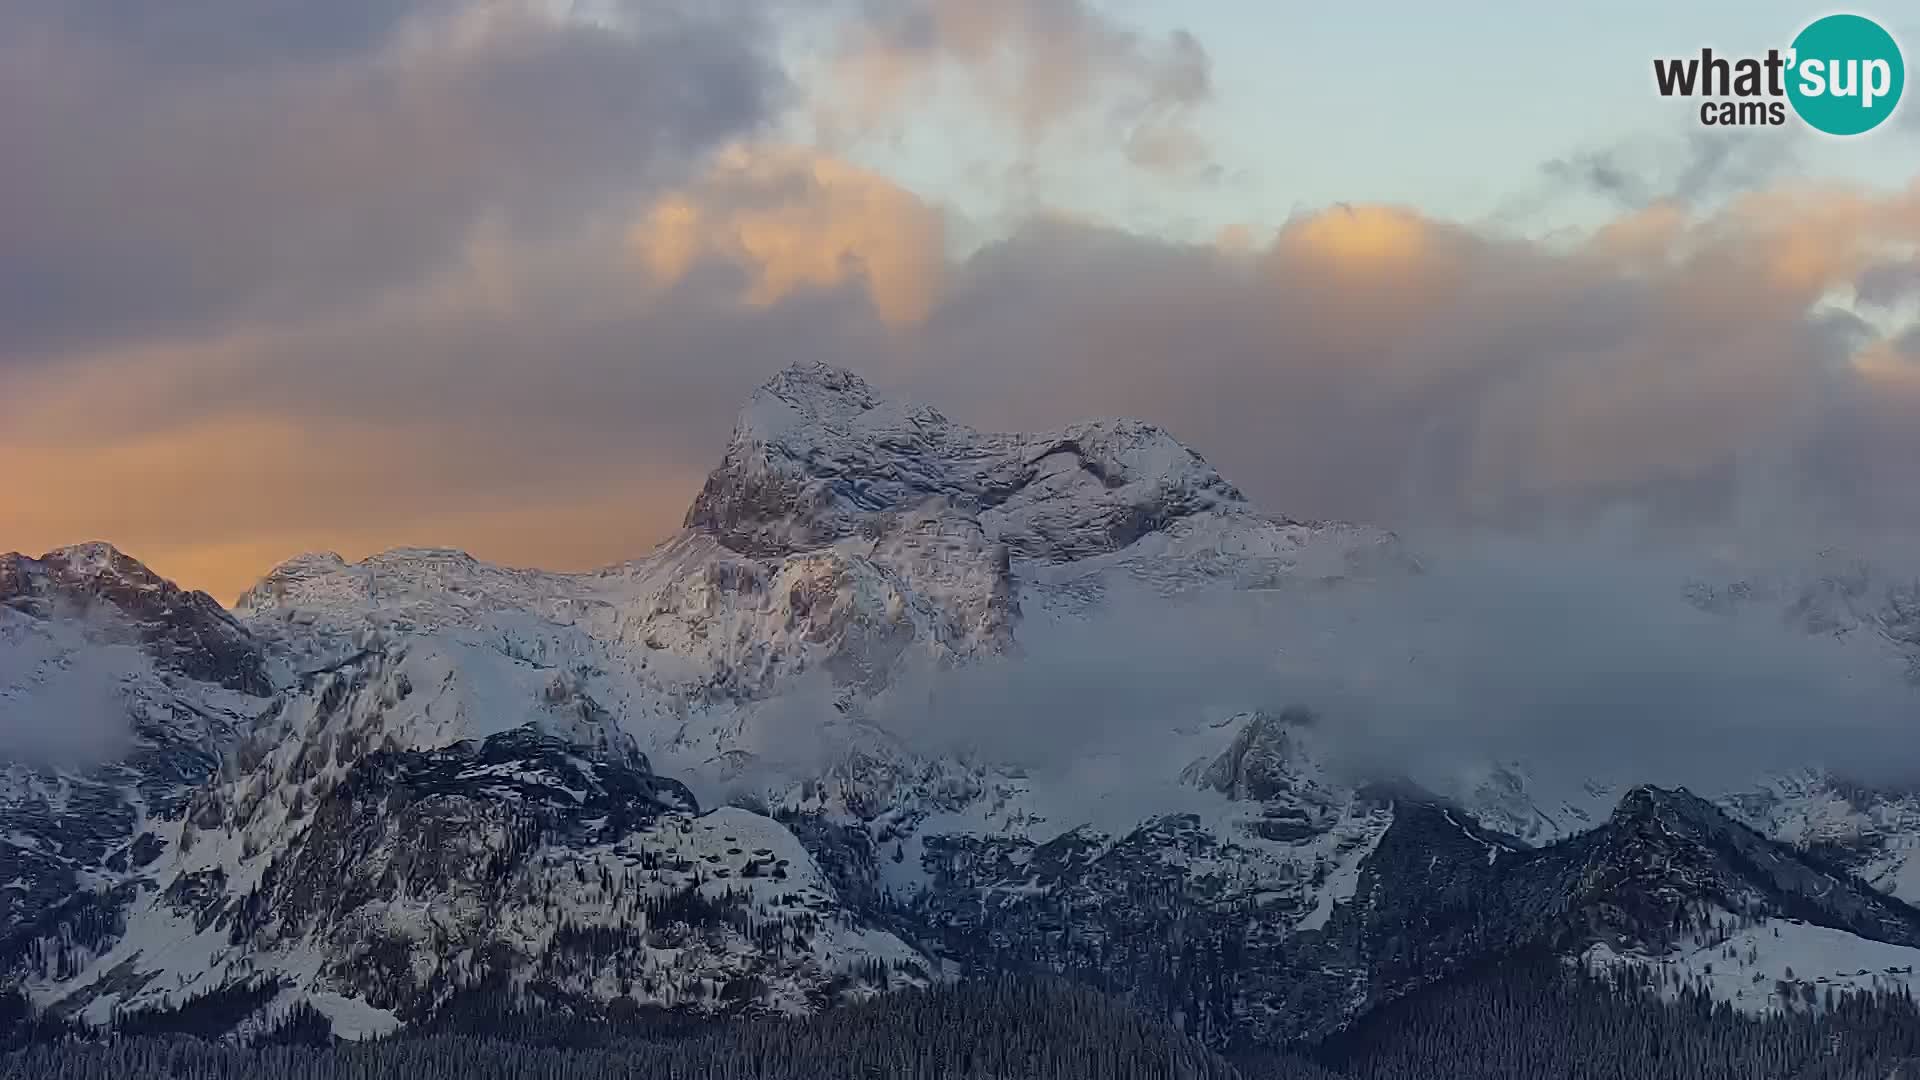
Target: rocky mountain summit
[817,455]
[683,784]
[187,633]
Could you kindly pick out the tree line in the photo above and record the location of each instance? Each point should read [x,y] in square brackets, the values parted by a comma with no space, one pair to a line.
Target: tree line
[1531,1017]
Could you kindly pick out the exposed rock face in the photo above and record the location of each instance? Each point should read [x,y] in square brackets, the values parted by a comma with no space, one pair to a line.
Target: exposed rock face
[1661,846]
[1439,892]
[469,836]
[1428,895]
[1258,765]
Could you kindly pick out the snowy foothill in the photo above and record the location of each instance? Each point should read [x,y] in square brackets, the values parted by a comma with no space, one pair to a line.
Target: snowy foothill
[1773,964]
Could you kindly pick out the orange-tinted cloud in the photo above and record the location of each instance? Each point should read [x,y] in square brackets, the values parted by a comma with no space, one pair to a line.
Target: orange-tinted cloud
[554,397]
[1814,237]
[1891,365]
[1372,362]
[794,218]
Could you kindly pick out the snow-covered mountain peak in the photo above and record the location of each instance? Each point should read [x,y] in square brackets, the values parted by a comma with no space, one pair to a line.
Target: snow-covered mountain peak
[427,589]
[117,598]
[842,536]
[1647,803]
[75,566]
[1272,755]
[95,558]
[806,395]
[319,577]
[97,572]
[817,456]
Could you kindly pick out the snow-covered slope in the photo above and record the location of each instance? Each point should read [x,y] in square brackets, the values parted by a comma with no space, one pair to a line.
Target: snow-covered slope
[431,817]
[432,799]
[119,692]
[685,647]
[1770,965]
[1873,831]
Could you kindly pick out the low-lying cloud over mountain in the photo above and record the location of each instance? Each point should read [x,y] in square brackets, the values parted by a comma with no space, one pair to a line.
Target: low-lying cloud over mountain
[61,701]
[1588,661]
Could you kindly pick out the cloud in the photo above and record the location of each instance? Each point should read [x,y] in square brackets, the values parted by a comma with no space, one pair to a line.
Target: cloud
[1579,656]
[54,671]
[1105,685]
[793,218]
[229,35]
[1889,284]
[1697,167]
[224,163]
[1362,362]
[1042,66]
[538,399]
[1374,364]
[272,276]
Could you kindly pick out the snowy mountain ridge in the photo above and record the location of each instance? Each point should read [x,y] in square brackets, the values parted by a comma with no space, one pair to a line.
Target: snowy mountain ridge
[673,783]
[430,817]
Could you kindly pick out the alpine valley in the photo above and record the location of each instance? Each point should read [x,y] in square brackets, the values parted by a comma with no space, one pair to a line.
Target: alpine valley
[750,773]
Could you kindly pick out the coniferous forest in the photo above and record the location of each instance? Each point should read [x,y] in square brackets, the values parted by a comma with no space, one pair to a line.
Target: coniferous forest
[1533,1019]
[1525,1019]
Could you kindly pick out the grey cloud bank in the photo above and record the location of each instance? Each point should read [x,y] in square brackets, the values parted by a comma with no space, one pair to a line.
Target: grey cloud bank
[1585,660]
[213,165]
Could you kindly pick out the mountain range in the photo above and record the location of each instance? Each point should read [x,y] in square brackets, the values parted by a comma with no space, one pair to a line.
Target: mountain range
[706,782]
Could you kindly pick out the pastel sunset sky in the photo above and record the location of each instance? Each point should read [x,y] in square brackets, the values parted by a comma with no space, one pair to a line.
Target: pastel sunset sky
[279,276]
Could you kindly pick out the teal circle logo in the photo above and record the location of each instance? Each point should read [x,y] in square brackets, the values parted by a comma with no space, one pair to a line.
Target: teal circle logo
[1846,74]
